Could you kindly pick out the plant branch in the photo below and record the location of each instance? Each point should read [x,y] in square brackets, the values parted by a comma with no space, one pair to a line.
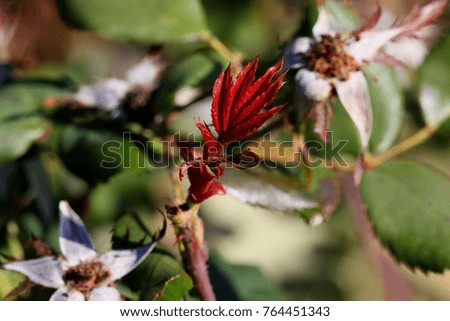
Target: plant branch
[411,142]
[214,43]
[395,285]
[190,233]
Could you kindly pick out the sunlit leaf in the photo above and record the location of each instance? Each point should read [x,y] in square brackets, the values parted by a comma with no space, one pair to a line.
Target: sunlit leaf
[175,288]
[387,106]
[268,189]
[434,80]
[406,207]
[143,21]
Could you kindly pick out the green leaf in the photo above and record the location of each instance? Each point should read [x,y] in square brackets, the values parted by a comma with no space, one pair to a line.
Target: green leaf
[160,276]
[21,124]
[434,79]
[97,154]
[9,280]
[247,282]
[243,25]
[142,21]
[268,189]
[195,71]
[387,106]
[408,207]
[343,130]
[175,288]
[344,17]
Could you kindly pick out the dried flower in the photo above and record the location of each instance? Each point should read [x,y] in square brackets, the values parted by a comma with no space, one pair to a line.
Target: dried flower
[236,112]
[81,274]
[332,61]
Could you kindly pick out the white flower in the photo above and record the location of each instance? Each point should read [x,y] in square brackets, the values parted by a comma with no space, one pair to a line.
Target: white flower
[332,61]
[109,94]
[81,274]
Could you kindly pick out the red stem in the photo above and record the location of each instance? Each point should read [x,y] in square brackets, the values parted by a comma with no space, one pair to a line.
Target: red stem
[396,287]
[189,229]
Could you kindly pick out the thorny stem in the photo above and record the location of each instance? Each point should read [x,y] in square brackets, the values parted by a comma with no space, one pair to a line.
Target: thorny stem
[217,45]
[412,141]
[395,285]
[190,232]
[190,235]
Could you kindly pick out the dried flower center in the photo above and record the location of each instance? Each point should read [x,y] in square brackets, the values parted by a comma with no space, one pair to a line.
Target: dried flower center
[85,276]
[329,58]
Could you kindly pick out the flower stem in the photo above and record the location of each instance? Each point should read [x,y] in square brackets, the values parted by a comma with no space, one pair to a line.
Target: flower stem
[411,142]
[214,43]
[396,287]
[190,232]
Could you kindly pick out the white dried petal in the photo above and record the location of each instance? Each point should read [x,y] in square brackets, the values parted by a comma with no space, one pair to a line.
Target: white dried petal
[105,94]
[146,73]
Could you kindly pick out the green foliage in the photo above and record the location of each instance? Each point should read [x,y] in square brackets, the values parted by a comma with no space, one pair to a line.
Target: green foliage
[406,207]
[198,70]
[160,277]
[387,106]
[269,189]
[175,288]
[434,79]
[142,21]
[343,16]
[248,282]
[21,122]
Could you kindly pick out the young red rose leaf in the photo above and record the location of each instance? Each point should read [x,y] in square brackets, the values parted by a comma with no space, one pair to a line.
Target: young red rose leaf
[220,110]
[250,125]
[240,87]
[253,107]
[203,184]
[238,102]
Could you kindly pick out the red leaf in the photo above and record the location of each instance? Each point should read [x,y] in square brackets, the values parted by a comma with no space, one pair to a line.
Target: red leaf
[212,147]
[250,125]
[41,248]
[235,101]
[241,86]
[256,105]
[203,184]
[220,110]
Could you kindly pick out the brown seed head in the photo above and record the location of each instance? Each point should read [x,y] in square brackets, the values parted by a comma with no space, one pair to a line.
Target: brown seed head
[329,58]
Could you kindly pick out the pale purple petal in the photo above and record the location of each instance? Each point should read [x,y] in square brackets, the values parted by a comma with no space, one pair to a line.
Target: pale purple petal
[45,271]
[105,293]
[74,239]
[411,51]
[122,262]
[366,48]
[324,24]
[354,95]
[373,40]
[312,86]
[63,294]
[292,54]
